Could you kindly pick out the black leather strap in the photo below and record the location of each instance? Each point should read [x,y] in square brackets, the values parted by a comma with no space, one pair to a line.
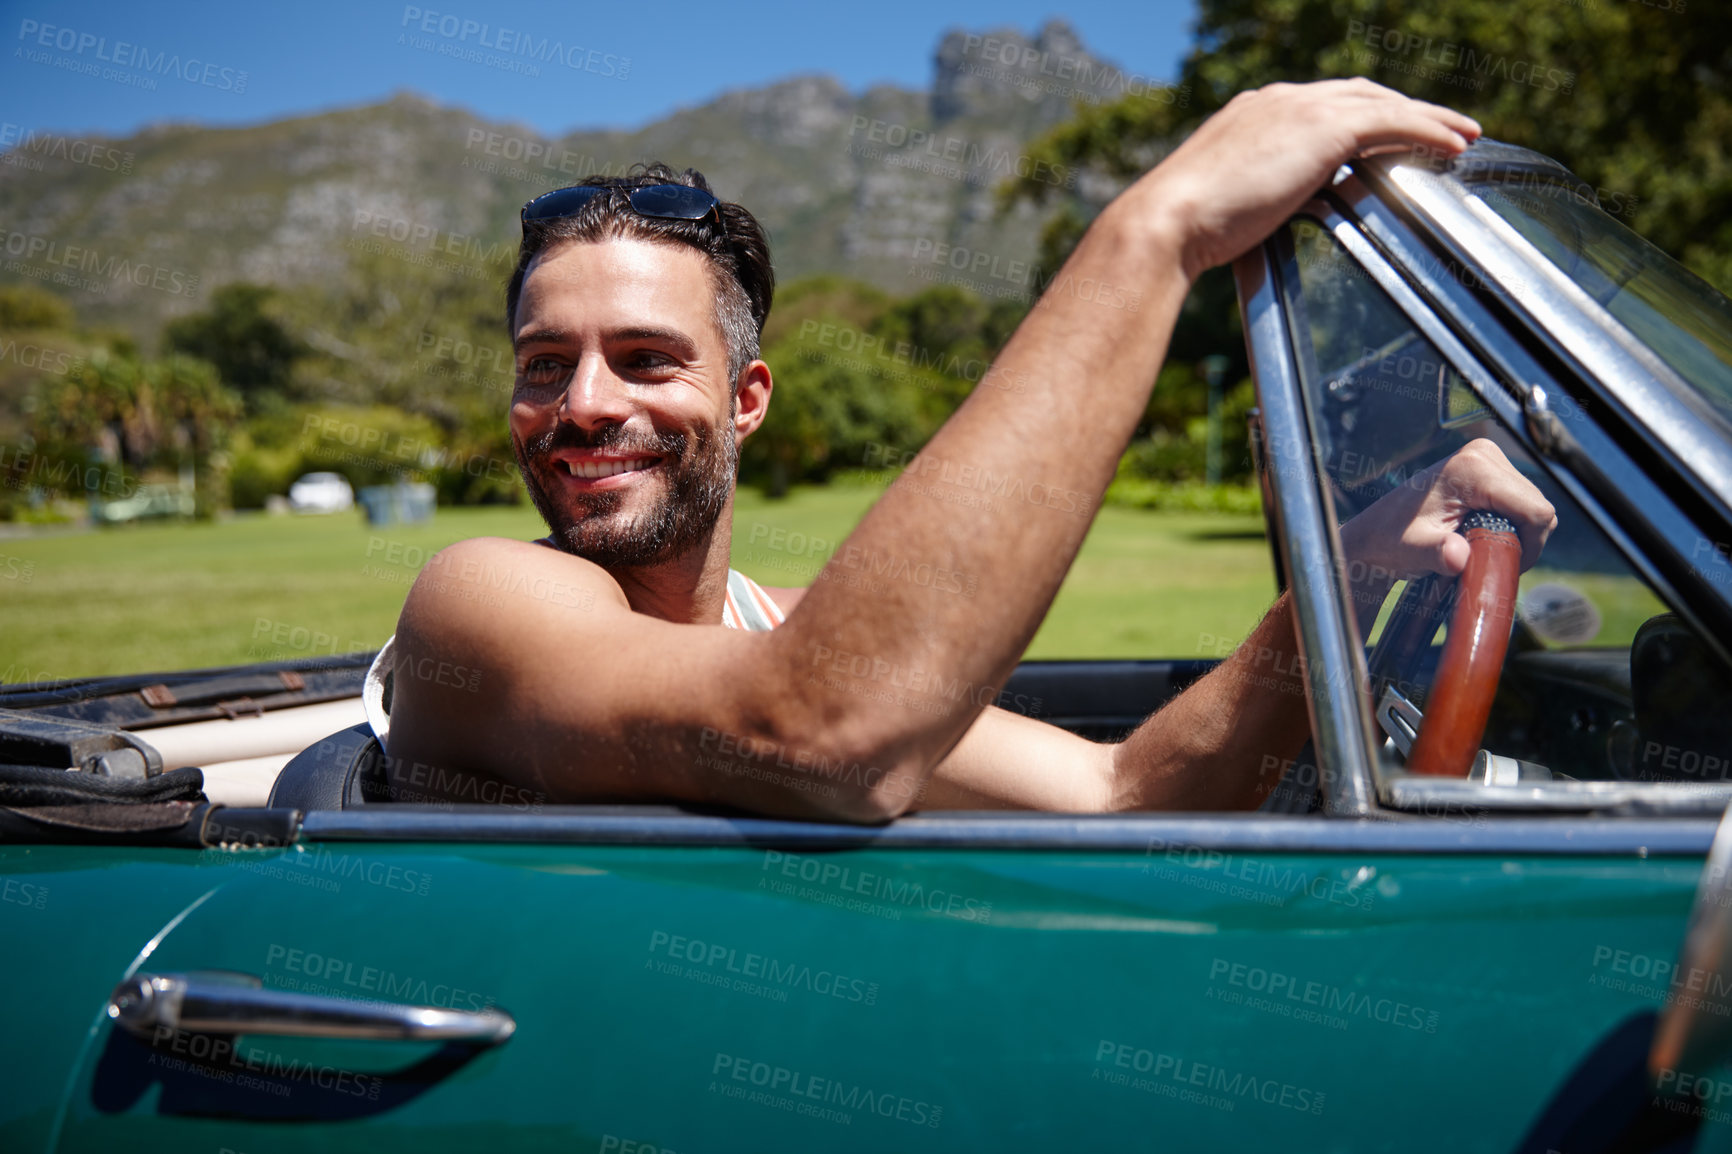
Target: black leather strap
[22,786]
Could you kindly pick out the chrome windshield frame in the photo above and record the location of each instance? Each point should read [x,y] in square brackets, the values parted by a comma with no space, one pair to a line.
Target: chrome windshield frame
[1561,415]
[1620,368]
[1303,528]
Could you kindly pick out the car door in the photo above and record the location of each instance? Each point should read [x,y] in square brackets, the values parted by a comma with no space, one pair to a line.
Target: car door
[966,982]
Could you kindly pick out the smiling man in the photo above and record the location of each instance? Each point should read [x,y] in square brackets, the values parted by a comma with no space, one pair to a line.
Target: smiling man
[635,313]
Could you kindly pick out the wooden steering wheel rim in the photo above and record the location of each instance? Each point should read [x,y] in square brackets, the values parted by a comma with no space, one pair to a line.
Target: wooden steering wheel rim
[1461,694]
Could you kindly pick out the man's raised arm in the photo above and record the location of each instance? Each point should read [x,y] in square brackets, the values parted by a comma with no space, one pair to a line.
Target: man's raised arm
[588,700]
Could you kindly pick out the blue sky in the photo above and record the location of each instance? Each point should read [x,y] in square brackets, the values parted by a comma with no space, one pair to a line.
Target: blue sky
[103,66]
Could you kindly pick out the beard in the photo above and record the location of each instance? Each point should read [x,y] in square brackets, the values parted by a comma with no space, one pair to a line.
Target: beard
[699,476]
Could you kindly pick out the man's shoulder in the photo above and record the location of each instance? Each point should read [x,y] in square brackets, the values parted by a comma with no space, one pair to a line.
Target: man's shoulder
[499,573]
[508,551]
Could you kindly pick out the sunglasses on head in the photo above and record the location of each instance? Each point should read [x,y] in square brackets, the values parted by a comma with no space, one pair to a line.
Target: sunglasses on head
[666,201]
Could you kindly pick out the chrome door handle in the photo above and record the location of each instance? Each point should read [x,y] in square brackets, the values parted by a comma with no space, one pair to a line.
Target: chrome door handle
[205,1003]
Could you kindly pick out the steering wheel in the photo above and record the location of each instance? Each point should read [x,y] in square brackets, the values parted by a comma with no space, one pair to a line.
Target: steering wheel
[1480,604]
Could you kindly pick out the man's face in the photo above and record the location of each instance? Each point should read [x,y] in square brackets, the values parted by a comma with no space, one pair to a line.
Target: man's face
[622,416]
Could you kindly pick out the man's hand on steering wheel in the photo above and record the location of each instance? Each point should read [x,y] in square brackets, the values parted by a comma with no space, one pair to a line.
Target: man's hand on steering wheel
[1454,520]
[1414,530]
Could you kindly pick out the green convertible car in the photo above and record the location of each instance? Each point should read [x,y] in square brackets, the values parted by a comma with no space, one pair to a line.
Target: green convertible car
[1488,910]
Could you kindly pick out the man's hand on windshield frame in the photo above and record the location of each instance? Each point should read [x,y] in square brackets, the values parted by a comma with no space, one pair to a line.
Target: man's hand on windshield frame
[1250,165]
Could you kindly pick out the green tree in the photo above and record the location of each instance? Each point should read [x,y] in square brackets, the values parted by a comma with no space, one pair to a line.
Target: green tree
[855,368]
[831,405]
[249,346]
[950,333]
[113,418]
[1633,97]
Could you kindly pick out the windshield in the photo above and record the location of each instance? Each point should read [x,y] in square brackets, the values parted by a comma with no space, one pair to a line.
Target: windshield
[1676,313]
[1602,681]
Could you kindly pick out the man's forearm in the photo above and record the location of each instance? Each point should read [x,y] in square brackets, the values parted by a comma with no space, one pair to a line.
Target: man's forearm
[1220,745]
[1223,742]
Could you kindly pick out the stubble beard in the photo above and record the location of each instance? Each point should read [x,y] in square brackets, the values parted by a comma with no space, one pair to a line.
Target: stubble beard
[698,479]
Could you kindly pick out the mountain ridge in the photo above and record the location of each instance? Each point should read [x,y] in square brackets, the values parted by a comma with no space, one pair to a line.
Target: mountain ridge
[862,183]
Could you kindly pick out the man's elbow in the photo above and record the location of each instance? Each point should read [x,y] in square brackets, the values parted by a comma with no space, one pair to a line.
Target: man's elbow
[853,775]
[872,807]
[878,803]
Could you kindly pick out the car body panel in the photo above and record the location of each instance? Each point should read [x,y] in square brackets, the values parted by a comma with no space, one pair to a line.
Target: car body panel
[982,985]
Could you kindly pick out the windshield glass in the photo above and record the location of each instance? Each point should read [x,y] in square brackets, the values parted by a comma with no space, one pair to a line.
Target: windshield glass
[1676,313]
[1602,681]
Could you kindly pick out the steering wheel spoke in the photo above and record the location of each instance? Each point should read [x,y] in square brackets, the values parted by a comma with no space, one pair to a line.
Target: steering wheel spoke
[1399,718]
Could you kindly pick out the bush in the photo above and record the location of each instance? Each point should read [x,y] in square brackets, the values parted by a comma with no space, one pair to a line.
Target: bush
[368,446]
[256,474]
[828,408]
[27,307]
[1183,496]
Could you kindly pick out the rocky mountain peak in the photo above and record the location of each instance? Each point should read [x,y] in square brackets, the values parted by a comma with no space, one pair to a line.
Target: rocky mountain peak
[977,73]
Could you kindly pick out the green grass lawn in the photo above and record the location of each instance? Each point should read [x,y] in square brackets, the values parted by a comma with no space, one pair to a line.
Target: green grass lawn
[161,597]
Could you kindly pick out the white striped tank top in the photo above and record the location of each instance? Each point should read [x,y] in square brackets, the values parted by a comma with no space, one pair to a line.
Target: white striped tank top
[748,606]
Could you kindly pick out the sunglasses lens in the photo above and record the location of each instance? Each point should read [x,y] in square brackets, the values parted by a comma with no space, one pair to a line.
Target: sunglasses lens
[560,202]
[673,200]
[669,201]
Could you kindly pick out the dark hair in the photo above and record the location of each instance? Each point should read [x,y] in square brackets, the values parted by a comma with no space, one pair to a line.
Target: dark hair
[738,250]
